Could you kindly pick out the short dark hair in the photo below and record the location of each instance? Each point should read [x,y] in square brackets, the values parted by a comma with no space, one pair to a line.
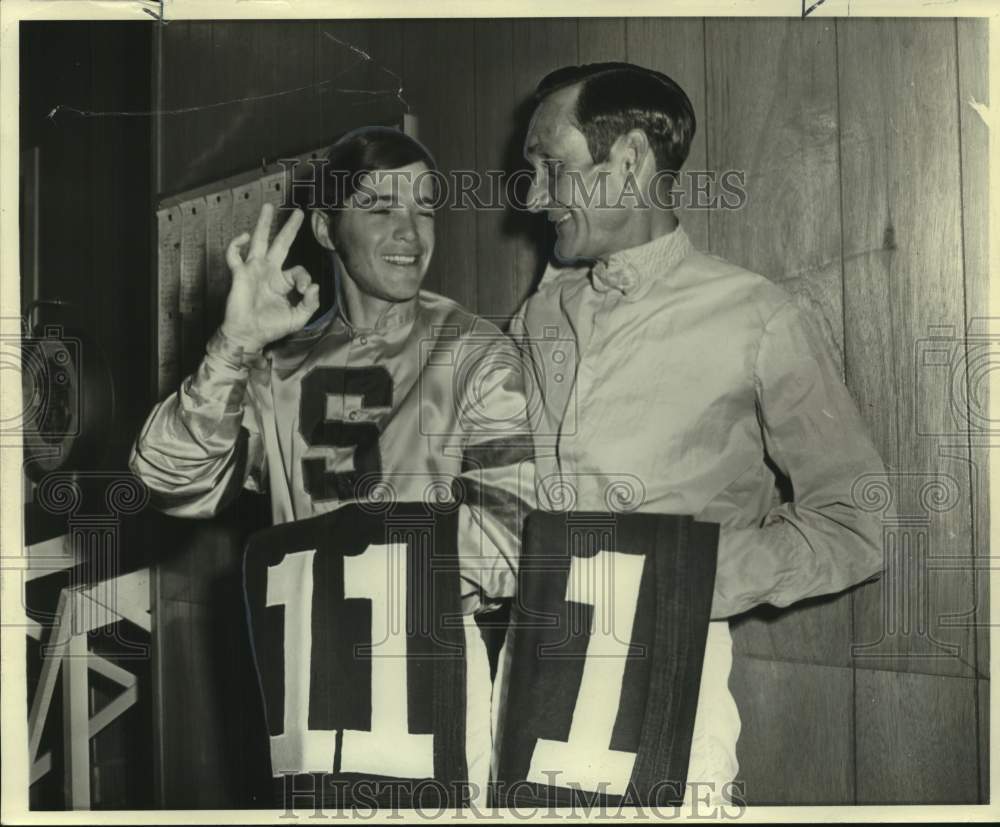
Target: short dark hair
[366,150]
[618,97]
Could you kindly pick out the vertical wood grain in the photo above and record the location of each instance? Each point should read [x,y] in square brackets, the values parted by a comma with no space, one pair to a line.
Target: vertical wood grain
[204,70]
[163,669]
[69,151]
[116,201]
[676,47]
[601,39]
[250,89]
[286,68]
[497,150]
[916,739]
[193,754]
[772,98]
[187,59]
[797,741]
[973,87]
[340,68]
[903,283]
[202,666]
[440,84]
[772,114]
[539,46]
[816,631]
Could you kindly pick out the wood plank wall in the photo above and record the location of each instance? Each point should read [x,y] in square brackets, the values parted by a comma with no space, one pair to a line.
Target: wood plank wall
[865,167]
[94,189]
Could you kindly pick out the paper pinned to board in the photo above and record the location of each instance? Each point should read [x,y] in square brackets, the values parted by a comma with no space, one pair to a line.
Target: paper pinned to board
[246,207]
[191,299]
[218,234]
[168,225]
[272,190]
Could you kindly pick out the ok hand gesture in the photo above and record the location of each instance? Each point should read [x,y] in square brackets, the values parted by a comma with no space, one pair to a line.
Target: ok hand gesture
[266,303]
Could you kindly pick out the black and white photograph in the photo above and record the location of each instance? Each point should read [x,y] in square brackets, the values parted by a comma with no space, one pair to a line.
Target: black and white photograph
[496,416]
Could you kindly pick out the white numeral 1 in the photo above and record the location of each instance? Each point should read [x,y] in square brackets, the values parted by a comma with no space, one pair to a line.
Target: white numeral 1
[388,748]
[298,748]
[609,581]
[378,575]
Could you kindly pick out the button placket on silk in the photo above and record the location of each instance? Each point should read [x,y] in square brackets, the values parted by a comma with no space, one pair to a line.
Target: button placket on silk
[573,447]
[359,352]
[352,356]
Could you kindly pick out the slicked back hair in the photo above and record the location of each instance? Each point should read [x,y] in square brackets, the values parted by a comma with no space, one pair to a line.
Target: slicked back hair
[366,150]
[618,97]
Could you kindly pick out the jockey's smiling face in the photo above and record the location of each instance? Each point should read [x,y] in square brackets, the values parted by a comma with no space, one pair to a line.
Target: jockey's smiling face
[384,236]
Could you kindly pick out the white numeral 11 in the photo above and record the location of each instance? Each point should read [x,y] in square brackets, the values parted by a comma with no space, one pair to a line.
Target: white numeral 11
[388,748]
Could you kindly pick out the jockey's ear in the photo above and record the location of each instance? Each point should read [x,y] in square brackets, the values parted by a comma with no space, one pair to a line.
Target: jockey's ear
[320,222]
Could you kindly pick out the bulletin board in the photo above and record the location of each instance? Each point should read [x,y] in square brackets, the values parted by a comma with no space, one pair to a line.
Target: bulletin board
[193,229]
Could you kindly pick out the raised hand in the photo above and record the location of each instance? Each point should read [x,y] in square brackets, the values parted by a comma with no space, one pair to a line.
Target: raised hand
[266,303]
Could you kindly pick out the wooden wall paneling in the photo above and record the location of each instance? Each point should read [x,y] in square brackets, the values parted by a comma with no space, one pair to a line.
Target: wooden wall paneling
[916,738]
[250,87]
[228,141]
[498,144]
[539,46]
[786,143]
[236,698]
[676,47]
[262,78]
[169,659]
[814,631]
[191,295]
[347,99]
[193,754]
[983,724]
[772,98]
[869,348]
[338,66]
[904,283]
[177,566]
[797,741]
[193,74]
[973,86]
[202,668]
[205,745]
[76,236]
[197,553]
[439,62]
[601,39]
[53,55]
[388,52]
[117,200]
[286,67]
